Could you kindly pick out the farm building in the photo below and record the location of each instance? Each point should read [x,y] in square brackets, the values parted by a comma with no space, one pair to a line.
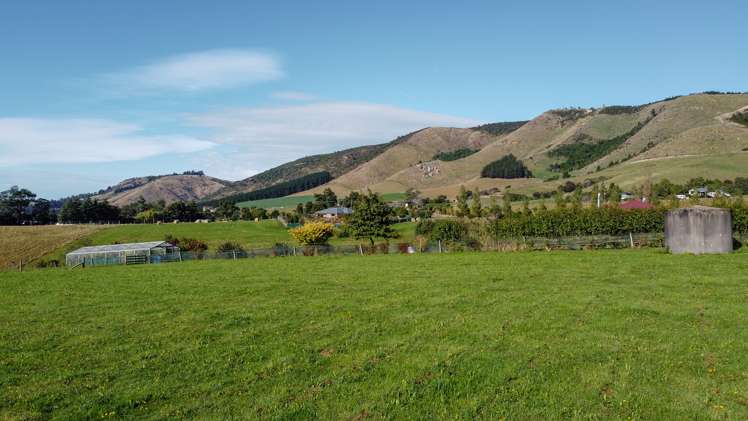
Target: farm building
[334,212]
[123,254]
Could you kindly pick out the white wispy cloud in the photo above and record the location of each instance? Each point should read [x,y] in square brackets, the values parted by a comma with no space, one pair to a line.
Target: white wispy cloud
[198,71]
[294,96]
[267,136]
[38,141]
[320,125]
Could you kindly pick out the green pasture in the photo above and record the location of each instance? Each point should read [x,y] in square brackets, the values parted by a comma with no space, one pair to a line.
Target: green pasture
[634,334]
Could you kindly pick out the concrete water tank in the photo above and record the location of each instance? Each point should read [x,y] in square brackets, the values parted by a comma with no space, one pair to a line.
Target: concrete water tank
[699,230]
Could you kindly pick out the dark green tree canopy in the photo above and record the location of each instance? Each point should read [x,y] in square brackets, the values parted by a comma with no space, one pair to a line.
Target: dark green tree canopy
[371,218]
[506,167]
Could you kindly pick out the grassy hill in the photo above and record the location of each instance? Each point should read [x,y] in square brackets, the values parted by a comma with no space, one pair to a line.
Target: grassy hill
[169,188]
[599,142]
[698,129]
[551,335]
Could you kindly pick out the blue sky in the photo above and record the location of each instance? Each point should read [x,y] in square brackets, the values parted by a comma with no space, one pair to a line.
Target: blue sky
[94,92]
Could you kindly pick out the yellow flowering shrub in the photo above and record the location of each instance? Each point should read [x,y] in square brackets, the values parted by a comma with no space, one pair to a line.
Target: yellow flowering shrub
[313,233]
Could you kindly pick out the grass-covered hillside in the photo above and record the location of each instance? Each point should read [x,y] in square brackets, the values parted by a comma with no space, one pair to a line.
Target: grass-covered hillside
[587,143]
[559,335]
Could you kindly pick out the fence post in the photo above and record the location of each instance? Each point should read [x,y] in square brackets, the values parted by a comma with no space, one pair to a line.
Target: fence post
[234,253]
[631,238]
[360,250]
[440,246]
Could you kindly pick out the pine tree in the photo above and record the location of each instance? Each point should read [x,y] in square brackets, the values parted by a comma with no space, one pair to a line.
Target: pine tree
[493,208]
[614,194]
[462,204]
[476,210]
[506,207]
[526,207]
[560,200]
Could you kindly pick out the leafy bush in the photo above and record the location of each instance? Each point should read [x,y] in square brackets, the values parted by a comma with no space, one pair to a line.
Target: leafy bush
[192,244]
[313,233]
[186,244]
[506,167]
[229,247]
[443,230]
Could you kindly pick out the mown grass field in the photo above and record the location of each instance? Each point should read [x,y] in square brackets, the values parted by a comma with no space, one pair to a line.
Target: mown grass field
[24,244]
[634,334]
[249,235]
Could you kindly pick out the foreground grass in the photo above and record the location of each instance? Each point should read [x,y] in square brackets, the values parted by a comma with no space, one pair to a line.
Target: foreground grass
[612,334]
[24,244]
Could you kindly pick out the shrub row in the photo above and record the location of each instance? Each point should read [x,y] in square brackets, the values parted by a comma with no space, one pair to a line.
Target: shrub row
[574,222]
[567,222]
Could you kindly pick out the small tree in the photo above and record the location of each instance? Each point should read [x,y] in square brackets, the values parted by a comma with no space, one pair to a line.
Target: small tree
[462,203]
[614,194]
[371,219]
[493,208]
[476,210]
[147,216]
[506,207]
[227,210]
[313,233]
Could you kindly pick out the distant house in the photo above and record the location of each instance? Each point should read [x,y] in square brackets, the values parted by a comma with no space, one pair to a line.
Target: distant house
[636,204]
[336,212]
[699,192]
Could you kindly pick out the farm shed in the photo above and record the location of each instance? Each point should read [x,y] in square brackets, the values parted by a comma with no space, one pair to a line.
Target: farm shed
[123,254]
[334,212]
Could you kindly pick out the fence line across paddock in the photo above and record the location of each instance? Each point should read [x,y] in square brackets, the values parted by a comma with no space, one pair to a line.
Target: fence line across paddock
[412,247]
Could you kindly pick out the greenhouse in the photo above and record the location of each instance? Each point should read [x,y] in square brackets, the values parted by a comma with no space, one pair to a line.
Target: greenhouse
[124,254]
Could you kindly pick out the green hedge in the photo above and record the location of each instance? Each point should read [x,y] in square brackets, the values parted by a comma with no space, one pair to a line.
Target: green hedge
[443,230]
[593,221]
[571,222]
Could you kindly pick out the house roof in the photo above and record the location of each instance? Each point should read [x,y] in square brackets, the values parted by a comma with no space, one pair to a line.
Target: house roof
[335,211]
[636,204]
[121,247]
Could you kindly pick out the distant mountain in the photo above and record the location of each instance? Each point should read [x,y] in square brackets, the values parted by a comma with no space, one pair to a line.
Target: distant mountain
[677,138]
[169,188]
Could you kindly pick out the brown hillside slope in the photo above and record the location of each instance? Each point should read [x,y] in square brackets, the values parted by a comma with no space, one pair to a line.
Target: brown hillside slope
[415,152]
[169,188]
[678,129]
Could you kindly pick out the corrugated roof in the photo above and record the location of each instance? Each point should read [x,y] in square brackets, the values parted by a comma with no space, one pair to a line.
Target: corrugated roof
[336,211]
[121,247]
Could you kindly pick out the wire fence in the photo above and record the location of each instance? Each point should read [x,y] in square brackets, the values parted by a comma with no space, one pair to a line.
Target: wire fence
[414,247]
[644,240]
